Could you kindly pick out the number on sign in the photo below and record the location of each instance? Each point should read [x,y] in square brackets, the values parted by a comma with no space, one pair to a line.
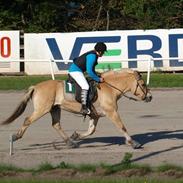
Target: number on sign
[5,47]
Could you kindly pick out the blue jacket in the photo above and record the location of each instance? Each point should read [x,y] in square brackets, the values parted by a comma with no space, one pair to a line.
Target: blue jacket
[86,63]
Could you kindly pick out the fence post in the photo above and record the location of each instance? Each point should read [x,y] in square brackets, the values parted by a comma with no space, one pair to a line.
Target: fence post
[11,145]
[51,69]
[148,70]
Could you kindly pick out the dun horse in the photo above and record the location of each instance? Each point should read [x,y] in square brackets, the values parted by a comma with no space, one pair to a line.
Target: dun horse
[48,96]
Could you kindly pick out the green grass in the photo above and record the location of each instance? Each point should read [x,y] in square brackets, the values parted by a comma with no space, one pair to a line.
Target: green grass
[162,80]
[165,80]
[44,167]
[5,168]
[85,168]
[23,82]
[166,167]
[125,164]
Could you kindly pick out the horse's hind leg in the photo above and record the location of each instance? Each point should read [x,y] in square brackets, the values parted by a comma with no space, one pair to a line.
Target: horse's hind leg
[56,114]
[28,121]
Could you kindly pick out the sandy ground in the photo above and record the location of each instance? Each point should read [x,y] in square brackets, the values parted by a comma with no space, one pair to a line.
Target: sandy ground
[157,125]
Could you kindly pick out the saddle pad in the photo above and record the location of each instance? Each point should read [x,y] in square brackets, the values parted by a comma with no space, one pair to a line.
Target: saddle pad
[69,87]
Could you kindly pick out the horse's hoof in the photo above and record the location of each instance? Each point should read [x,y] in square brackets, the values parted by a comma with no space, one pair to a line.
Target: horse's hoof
[75,136]
[136,145]
[71,144]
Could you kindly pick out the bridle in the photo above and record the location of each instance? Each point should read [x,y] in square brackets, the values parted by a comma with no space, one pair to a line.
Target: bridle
[124,94]
[139,85]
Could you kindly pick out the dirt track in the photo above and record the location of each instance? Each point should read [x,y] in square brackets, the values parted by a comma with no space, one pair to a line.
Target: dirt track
[157,125]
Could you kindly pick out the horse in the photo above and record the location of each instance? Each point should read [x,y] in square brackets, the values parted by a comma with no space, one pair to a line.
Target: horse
[48,97]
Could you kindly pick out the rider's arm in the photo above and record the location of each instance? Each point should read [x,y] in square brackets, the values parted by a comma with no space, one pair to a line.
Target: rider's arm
[90,61]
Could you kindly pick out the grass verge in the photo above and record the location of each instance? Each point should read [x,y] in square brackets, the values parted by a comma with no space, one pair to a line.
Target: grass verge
[124,172]
[23,82]
[165,80]
[162,80]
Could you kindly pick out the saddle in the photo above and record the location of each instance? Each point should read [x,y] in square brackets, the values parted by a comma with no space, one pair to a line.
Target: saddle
[72,87]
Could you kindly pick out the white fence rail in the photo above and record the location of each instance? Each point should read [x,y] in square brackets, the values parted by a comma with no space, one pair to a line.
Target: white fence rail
[148,61]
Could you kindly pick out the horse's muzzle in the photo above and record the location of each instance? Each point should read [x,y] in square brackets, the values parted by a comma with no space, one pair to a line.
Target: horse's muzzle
[148,97]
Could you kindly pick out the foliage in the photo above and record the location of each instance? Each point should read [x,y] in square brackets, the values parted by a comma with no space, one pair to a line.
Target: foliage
[80,15]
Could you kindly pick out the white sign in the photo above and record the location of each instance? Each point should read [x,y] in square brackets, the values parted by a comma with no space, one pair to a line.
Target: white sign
[9,51]
[124,49]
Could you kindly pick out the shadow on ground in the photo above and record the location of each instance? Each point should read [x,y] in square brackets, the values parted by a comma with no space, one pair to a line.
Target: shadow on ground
[143,138]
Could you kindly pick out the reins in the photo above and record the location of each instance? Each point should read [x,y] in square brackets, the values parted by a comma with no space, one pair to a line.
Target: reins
[112,86]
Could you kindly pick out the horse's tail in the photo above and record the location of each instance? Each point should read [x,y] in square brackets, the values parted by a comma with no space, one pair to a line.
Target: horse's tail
[21,107]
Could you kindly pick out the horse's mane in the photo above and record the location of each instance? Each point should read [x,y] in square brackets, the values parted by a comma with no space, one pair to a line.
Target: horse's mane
[113,73]
[121,73]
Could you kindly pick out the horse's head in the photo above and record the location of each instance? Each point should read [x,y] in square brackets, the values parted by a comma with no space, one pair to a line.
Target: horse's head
[128,80]
[139,88]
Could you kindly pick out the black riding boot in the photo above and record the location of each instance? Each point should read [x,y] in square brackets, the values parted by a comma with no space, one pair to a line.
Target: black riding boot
[84,95]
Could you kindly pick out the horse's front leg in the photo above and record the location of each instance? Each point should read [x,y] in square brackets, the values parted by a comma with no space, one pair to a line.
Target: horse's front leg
[90,131]
[115,118]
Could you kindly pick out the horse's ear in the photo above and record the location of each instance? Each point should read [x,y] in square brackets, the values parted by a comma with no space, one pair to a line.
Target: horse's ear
[140,75]
[137,74]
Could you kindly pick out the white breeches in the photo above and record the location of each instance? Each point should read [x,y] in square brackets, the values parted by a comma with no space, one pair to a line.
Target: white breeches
[80,79]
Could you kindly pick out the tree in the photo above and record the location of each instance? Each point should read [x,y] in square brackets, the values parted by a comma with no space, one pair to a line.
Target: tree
[82,15]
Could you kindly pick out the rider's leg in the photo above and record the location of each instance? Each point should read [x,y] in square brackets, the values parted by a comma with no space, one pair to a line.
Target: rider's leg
[84,102]
[82,82]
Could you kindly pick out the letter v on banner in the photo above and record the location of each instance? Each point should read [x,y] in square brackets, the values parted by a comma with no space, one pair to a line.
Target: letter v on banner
[56,53]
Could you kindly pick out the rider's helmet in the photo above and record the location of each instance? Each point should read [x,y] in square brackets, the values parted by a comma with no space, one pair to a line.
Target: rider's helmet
[100,47]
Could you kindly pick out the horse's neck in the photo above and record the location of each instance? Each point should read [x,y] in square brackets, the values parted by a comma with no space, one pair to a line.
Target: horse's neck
[119,81]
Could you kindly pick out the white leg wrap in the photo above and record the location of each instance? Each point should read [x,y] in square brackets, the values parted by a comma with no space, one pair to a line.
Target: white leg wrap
[91,129]
[84,94]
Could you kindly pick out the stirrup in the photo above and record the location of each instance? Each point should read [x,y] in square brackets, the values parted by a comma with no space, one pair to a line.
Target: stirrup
[85,111]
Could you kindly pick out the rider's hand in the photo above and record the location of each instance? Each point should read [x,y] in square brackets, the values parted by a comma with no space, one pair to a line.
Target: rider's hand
[101,80]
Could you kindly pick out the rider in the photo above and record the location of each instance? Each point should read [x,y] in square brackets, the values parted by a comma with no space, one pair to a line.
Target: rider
[86,63]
